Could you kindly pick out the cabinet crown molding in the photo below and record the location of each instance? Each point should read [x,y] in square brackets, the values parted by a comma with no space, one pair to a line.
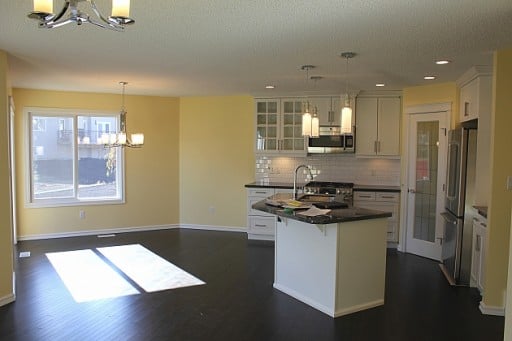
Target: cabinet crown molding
[474,72]
[380,93]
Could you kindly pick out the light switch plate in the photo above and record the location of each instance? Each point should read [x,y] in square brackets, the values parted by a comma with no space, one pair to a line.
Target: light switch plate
[509,182]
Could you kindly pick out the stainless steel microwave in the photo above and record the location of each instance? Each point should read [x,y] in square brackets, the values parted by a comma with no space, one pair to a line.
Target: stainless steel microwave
[331,140]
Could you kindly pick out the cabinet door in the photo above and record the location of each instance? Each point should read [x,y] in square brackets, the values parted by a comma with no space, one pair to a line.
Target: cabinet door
[469,101]
[388,122]
[366,126]
[475,257]
[325,113]
[267,125]
[291,123]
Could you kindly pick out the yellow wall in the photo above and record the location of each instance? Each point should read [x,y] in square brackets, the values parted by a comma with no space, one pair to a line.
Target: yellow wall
[436,93]
[216,159]
[498,231]
[6,240]
[151,172]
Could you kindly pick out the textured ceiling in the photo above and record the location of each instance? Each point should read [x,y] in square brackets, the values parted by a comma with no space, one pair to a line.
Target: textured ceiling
[194,47]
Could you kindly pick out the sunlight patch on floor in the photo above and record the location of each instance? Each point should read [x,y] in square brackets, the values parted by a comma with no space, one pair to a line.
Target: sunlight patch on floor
[148,270]
[88,277]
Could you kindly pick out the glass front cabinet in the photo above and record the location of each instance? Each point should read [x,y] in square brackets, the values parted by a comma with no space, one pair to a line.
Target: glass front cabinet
[279,126]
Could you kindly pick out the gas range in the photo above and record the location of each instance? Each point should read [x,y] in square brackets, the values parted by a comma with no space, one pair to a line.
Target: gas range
[341,190]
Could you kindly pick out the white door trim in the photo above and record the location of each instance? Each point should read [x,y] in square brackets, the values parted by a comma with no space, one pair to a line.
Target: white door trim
[412,110]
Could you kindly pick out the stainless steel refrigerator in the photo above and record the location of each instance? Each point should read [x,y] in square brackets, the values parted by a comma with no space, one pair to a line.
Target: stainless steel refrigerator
[459,200]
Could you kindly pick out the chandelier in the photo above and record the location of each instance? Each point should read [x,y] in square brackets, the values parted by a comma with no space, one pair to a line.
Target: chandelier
[121,139]
[43,12]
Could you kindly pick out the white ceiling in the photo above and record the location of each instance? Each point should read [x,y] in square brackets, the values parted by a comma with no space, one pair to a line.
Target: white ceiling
[223,47]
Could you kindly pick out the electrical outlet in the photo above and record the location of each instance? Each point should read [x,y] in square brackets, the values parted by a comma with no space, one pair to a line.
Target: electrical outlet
[212,210]
[81,214]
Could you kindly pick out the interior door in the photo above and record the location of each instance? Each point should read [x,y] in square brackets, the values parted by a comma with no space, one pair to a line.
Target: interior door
[12,168]
[426,184]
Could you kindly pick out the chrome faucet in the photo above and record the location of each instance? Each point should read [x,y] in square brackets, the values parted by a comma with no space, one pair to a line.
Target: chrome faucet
[295,178]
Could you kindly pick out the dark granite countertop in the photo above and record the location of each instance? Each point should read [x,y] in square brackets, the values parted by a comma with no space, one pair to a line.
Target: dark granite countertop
[334,216]
[482,210]
[264,184]
[376,188]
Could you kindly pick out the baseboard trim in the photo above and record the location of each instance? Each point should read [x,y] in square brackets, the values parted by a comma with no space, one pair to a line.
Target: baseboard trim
[304,299]
[7,299]
[213,228]
[359,307]
[131,229]
[490,310]
[97,232]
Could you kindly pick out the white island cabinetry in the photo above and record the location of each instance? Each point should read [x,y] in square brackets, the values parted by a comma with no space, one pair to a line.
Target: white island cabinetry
[337,268]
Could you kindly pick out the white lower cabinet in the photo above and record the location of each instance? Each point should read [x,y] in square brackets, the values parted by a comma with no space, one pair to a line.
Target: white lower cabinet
[261,225]
[479,251]
[382,201]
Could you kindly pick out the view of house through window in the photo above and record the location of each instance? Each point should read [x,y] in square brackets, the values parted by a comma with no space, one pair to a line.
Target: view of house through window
[68,160]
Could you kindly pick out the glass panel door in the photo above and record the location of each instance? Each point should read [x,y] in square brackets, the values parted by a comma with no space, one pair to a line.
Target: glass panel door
[427,149]
[266,121]
[427,142]
[292,125]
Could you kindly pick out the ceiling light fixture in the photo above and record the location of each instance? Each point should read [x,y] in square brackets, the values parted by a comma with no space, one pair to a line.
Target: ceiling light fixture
[43,12]
[310,124]
[380,84]
[120,139]
[429,78]
[346,111]
[270,86]
[442,62]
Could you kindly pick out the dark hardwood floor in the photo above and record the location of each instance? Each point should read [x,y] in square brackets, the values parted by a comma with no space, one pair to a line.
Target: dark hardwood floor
[238,301]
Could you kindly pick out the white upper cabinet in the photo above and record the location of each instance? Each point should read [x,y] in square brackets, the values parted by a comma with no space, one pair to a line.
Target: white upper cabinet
[378,126]
[279,126]
[475,93]
[476,103]
[328,109]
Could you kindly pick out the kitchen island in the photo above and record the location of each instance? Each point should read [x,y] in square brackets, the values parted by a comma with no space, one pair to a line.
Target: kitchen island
[335,262]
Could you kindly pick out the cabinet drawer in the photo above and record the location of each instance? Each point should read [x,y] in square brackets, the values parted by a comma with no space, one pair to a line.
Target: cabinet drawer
[251,211]
[260,192]
[386,196]
[364,196]
[262,225]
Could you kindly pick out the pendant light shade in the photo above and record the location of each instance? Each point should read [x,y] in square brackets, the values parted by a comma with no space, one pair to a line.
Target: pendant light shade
[346,120]
[306,123]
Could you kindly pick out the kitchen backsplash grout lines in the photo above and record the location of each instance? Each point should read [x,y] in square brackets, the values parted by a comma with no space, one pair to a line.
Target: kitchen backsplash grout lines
[342,168]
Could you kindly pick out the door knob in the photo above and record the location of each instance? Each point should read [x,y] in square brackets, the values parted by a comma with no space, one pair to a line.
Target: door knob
[412,190]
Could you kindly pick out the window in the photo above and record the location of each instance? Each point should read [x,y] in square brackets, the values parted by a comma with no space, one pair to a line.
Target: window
[68,164]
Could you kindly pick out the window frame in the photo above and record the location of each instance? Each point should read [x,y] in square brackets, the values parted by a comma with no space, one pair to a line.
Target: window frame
[30,201]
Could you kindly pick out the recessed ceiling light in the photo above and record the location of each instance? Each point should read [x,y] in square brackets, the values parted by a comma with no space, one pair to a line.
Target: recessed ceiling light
[443,62]
[380,84]
[270,86]
[429,78]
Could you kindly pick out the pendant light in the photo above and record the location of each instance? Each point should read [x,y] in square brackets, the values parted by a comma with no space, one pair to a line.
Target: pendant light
[346,111]
[310,123]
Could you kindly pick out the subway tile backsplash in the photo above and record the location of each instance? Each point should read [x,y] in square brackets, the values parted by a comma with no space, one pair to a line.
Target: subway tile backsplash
[328,167]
